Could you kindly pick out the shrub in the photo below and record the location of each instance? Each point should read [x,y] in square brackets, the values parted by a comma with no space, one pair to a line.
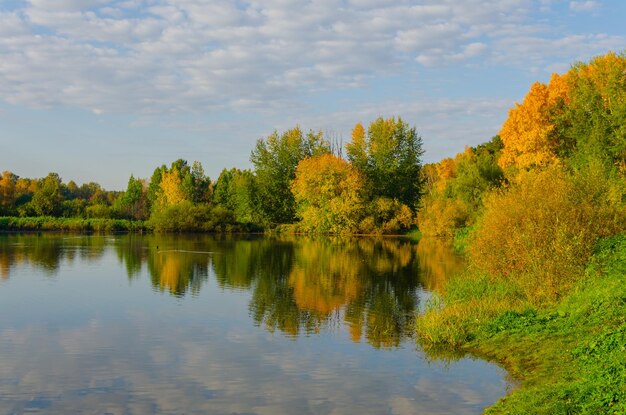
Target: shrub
[441,216]
[188,217]
[388,216]
[540,230]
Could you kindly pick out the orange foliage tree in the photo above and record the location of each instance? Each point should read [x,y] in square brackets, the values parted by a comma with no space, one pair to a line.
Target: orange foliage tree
[528,133]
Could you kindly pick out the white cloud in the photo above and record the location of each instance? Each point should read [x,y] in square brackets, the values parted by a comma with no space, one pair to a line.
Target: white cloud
[163,56]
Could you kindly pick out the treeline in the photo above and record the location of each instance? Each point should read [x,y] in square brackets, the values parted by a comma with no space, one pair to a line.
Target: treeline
[529,207]
[299,183]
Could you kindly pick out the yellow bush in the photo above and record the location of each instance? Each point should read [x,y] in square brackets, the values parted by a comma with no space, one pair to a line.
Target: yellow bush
[386,216]
[540,230]
[441,216]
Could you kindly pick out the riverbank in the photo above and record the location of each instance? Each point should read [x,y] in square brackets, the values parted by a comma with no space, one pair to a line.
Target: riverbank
[48,223]
[569,355]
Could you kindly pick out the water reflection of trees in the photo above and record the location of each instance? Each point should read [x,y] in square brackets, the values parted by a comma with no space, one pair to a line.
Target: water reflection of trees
[46,252]
[176,264]
[438,262]
[298,286]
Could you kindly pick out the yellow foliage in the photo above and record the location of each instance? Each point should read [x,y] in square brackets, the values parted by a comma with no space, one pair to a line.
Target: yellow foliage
[386,216]
[601,71]
[442,216]
[540,230]
[7,190]
[172,190]
[438,262]
[328,192]
[526,133]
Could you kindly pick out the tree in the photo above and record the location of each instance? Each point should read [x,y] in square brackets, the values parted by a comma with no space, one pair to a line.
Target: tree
[329,194]
[390,158]
[528,133]
[48,197]
[593,125]
[234,190]
[171,189]
[8,194]
[133,203]
[275,159]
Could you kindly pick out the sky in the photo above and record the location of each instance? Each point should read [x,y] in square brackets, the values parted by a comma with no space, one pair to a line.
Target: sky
[97,90]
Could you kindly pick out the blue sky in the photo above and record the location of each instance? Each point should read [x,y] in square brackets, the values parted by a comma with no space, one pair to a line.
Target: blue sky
[98,90]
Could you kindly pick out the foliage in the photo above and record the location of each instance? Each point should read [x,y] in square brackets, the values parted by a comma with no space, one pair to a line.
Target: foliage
[528,133]
[275,159]
[389,156]
[8,183]
[593,125]
[48,196]
[328,192]
[178,183]
[570,355]
[48,223]
[235,190]
[386,216]
[189,217]
[541,229]
[133,203]
[456,187]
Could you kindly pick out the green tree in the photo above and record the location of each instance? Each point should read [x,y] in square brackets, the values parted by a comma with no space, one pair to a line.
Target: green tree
[235,191]
[133,203]
[390,157]
[48,196]
[275,159]
[593,125]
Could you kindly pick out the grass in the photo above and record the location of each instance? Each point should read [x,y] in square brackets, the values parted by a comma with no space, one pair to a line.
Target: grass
[570,355]
[46,223]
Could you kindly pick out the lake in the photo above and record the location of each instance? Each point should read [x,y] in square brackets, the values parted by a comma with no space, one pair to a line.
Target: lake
[132,324]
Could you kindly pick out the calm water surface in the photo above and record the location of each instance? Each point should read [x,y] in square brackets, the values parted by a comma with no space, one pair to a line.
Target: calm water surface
[196,324]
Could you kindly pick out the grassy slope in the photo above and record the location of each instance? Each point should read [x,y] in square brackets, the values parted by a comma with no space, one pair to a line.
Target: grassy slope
[570,356]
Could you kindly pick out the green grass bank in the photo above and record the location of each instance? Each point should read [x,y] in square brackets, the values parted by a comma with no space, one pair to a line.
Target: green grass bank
[48,223]
[569,355]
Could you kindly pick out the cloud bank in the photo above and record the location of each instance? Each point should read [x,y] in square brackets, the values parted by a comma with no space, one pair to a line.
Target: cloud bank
[176,56]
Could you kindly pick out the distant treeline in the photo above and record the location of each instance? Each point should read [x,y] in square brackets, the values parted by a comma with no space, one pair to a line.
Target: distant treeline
[299,183]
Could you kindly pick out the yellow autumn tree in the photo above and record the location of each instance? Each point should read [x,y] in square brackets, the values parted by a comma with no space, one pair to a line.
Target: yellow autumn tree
[328,193]
[527,134]
[7,191]
[172,191]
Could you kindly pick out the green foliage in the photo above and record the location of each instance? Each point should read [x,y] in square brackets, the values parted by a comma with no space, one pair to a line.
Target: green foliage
[593,124]
[275,159]
[48,223]
[48,196]
[390,158]
[235,190]
[189,217]
[134,202]
[570,355]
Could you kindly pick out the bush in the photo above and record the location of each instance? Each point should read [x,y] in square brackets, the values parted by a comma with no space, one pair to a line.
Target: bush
[188,217]
[441,216]
[388,216]
[540,230]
